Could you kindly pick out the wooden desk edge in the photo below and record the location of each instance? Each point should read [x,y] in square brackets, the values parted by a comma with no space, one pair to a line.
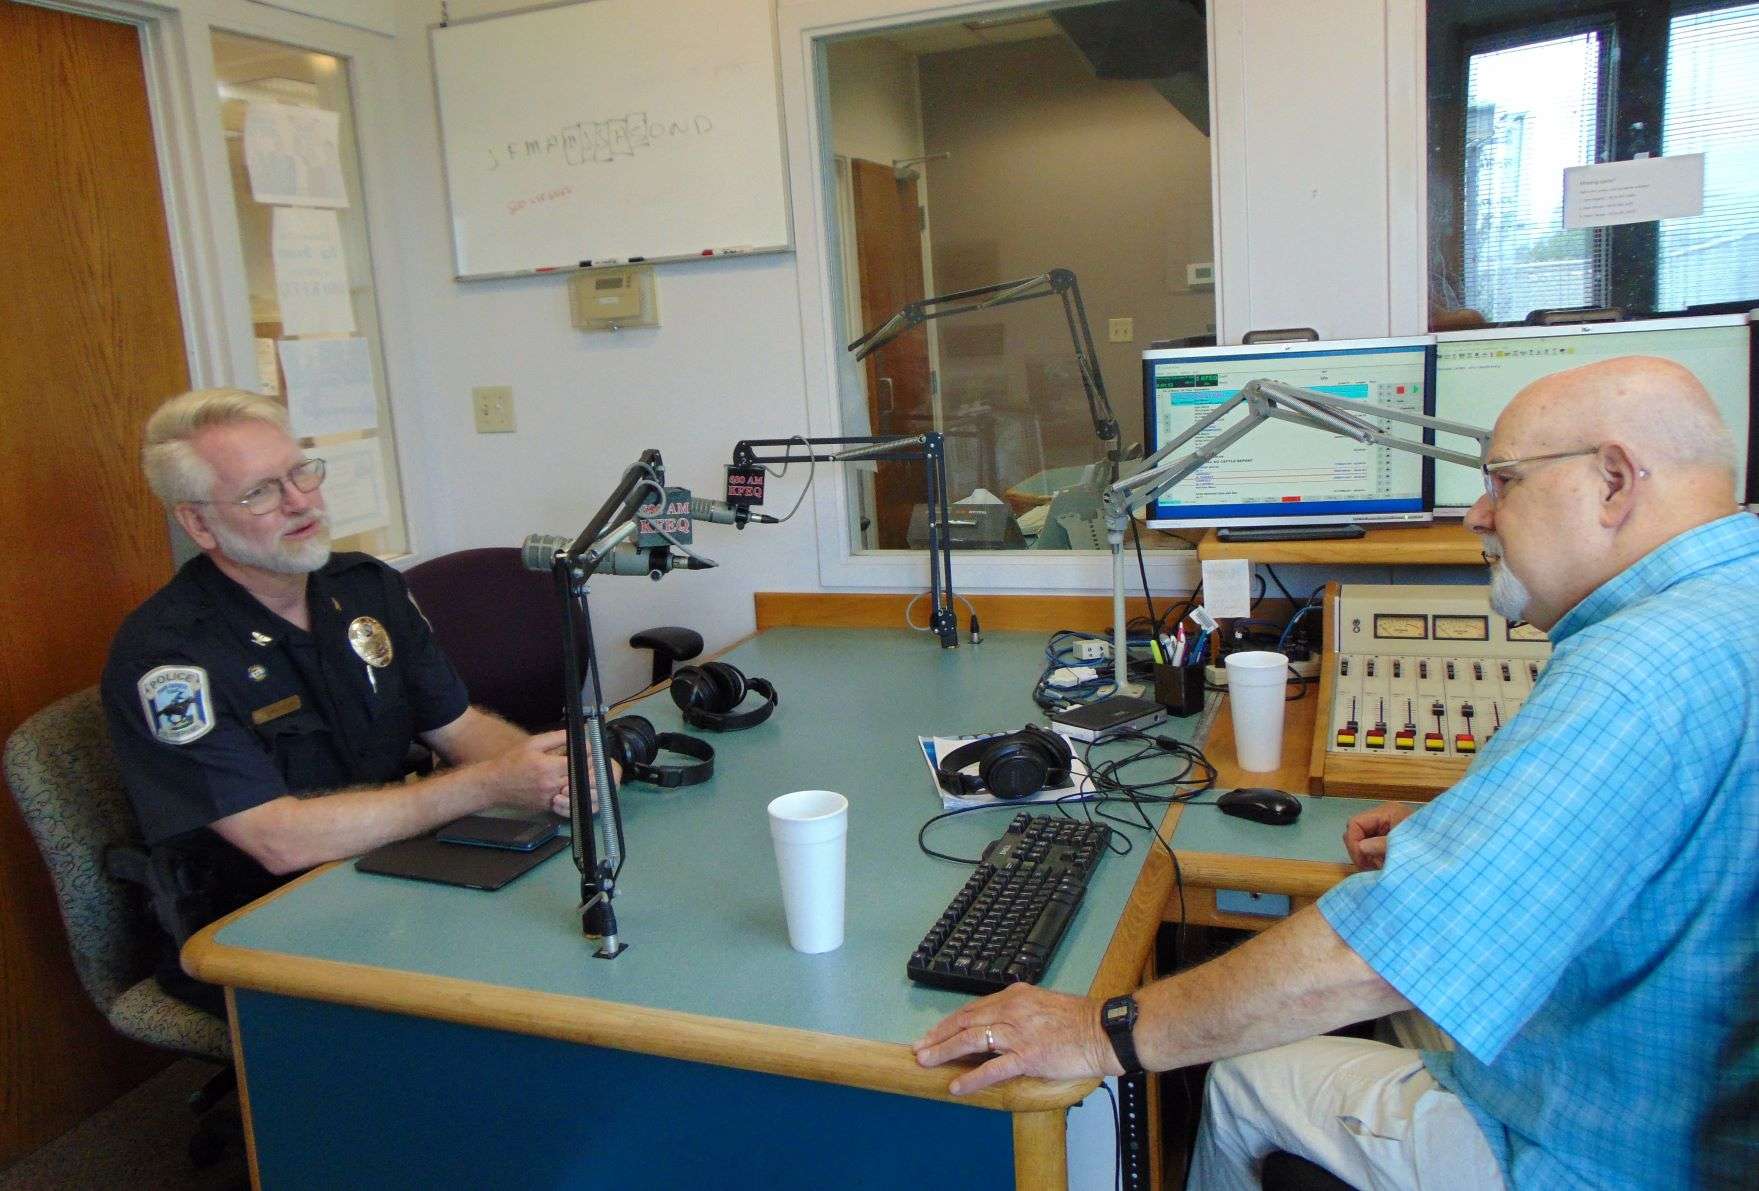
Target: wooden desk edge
[750,1046]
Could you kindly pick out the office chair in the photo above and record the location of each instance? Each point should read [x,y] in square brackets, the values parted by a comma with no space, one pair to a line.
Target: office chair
[1290,1172]
[502,627]
[65,781]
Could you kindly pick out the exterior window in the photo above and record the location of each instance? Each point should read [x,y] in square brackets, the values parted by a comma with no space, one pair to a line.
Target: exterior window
[1713,109]
[1531,111]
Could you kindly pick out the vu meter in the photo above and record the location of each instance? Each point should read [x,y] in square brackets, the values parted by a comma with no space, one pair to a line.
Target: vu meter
[1399,627]
[1461,628]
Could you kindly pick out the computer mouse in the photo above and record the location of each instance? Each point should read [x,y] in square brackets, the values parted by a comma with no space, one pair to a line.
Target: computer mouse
[1261,804]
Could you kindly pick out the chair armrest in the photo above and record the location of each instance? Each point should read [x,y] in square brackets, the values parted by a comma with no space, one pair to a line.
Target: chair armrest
[671,645]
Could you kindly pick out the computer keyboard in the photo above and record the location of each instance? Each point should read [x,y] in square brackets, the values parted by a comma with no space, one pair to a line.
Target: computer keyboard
[1005,924]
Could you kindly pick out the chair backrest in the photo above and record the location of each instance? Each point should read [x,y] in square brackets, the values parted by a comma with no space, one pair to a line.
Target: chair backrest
[502,627]
[65,781]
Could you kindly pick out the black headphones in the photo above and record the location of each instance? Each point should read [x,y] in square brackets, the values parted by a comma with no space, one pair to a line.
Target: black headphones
[1009,766]
[632,742]
[707,695]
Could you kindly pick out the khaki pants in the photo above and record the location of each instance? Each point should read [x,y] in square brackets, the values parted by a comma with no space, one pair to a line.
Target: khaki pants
[1369,1113]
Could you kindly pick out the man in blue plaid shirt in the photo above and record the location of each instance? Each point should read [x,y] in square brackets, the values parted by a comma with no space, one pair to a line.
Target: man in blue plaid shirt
[1580,912]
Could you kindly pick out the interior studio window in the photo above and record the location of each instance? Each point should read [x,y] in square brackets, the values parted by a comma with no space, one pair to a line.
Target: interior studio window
[1519,92]
[992,149]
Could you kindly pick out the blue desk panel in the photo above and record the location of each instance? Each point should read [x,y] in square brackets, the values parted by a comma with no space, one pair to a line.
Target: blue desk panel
[345,1097]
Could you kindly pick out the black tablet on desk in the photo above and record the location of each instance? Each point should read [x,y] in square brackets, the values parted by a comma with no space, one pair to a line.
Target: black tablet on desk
[425,858]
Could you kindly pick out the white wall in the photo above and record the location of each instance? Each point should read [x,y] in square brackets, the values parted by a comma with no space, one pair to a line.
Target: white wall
[723,365]
[730,359]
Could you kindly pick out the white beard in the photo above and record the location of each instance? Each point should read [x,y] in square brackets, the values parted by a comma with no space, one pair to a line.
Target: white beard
[1509,597]
[284,558]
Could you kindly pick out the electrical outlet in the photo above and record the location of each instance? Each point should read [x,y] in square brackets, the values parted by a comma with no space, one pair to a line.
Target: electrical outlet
[493,405]
[1122,330]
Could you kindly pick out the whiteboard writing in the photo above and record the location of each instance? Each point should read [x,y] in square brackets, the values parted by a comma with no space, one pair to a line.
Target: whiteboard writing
[600,142]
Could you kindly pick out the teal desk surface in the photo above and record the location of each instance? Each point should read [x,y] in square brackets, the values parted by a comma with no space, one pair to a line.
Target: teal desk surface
[699,903]
[1318,835]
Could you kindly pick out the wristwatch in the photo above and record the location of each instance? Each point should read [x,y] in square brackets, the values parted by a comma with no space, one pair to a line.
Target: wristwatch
[1118,1019]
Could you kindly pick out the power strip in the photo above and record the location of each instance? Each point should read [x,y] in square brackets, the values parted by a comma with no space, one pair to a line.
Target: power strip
[1218,675]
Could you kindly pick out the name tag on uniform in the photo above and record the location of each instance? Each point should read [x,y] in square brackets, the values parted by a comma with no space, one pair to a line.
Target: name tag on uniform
[275,710]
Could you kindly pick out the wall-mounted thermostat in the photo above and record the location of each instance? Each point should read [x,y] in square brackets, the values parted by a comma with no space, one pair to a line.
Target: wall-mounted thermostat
[1200,276]
[613,299]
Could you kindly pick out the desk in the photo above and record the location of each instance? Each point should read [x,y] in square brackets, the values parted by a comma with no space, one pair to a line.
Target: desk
[391,1033]
[1233,857]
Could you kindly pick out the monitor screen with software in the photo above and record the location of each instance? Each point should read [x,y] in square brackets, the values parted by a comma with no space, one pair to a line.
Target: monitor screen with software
[1283,474]
[1477,373]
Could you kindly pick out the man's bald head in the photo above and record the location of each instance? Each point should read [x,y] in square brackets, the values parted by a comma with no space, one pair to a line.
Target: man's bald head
[1605,463]
[1655,407]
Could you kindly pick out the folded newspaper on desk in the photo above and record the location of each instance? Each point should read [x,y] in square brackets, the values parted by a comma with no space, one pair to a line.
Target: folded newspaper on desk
[935,747]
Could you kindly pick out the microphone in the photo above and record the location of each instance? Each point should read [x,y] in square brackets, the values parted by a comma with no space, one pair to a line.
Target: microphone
[719,513]
[624,559]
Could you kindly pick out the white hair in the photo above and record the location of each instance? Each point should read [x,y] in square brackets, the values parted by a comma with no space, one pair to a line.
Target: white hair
[175,471]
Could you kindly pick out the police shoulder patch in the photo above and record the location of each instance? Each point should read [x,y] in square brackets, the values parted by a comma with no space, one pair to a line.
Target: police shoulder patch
[177,702]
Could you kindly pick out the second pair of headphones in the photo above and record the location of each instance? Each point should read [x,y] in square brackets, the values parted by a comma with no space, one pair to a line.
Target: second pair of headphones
[633,743]
[709,693]
[1009,766]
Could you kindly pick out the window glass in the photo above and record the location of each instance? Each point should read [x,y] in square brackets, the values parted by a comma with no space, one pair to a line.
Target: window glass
[983,151]
[1713,109]
[1522,90]
[290,144]
[1531,111]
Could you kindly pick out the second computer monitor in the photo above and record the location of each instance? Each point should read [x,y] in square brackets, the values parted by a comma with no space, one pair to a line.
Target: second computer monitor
[1283,474]
[1478,372]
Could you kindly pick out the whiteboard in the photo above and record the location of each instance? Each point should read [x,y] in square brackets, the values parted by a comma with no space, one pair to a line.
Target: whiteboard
[612,131]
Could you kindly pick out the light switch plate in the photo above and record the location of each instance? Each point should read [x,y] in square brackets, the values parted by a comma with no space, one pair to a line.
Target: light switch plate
[1123,330]
[493,405]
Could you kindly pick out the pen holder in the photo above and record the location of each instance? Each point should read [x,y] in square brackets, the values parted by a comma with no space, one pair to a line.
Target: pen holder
[1179,689]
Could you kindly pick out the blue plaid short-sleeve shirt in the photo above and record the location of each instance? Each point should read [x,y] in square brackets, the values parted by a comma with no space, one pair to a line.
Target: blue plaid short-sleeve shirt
[1581,911]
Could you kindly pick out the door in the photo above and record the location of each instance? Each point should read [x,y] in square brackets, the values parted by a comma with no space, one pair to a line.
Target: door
[92,340]
[888,245]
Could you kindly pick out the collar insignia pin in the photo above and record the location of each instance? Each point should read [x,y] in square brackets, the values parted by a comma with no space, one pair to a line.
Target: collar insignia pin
[257,673]
[261,638]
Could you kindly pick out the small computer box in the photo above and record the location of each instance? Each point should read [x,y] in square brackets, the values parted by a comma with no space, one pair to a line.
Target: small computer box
[1108,717]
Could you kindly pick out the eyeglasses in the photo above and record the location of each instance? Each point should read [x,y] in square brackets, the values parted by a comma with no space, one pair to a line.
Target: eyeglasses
[267,496]
[1497,478]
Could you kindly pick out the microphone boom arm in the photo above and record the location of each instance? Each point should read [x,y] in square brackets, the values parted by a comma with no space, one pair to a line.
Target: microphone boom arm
[927,449]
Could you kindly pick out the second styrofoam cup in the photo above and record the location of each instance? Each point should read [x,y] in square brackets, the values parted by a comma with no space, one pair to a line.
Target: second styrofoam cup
[810,830]
[1255,698]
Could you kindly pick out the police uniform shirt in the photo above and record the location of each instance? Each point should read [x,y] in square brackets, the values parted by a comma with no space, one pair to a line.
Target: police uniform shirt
[216,704]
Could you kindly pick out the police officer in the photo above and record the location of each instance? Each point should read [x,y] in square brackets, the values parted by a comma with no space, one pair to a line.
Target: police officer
[269,671]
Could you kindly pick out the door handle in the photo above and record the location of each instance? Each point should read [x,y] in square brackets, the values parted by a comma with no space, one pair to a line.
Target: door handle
[888,402]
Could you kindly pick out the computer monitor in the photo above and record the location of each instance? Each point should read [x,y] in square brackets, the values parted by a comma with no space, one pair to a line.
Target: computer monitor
[1284,474]
[1477,373]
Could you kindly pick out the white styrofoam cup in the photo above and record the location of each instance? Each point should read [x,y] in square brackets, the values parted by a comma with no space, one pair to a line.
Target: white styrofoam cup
[810,830]
[1255,699]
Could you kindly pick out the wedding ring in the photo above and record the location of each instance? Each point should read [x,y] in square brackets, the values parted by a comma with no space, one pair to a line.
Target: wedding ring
[989,1040]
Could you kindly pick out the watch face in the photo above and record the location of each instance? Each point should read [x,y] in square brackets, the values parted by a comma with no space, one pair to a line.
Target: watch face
[1116,1013]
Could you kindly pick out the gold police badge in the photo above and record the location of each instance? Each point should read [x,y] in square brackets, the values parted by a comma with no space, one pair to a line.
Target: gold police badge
[370,642]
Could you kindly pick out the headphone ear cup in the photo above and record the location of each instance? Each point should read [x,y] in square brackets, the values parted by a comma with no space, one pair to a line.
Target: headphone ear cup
[1013,768]
[692,690]
[641,742]
[729,684]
